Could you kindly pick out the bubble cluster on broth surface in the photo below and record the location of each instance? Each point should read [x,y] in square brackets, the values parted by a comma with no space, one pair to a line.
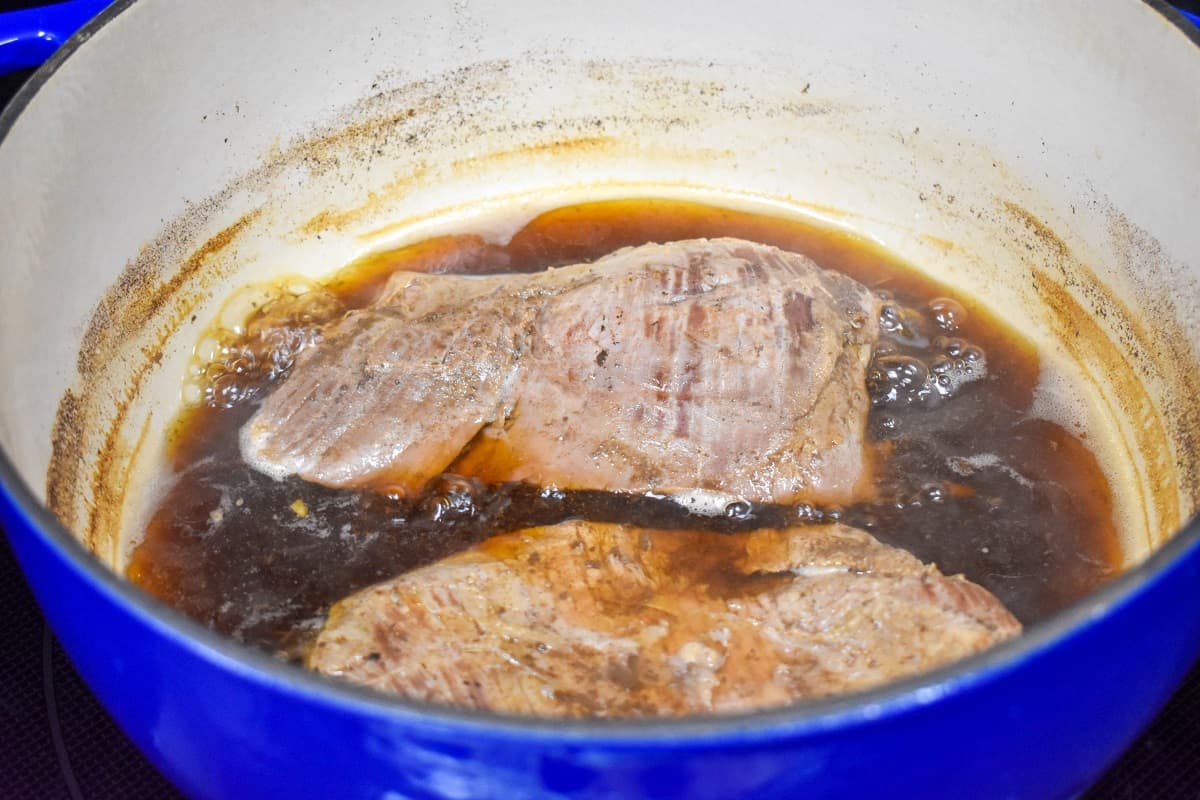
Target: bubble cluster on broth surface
[920,358]
[261,331]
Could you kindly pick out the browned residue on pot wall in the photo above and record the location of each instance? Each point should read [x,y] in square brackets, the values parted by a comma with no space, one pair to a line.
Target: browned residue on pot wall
[67,458]
[1087,316]
[341,218]
[150,294]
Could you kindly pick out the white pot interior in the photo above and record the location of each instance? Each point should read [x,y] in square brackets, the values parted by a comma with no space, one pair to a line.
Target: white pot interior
[1042,156]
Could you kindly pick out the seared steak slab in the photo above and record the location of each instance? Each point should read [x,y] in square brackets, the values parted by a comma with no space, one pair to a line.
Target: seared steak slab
[584,619]
[703,364]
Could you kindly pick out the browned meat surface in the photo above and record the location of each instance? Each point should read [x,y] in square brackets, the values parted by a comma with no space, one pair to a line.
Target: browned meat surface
[704,364]
[585,619]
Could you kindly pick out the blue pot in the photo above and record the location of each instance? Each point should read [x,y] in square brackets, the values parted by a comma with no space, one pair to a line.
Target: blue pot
[1040,716]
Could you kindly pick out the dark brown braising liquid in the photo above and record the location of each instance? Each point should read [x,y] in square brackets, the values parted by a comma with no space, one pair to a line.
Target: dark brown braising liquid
[967,478]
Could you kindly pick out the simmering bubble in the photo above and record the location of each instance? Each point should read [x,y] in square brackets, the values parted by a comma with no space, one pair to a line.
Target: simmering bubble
[949,345]
[911,368]
[738,509]
[257,335]
[452,497]
[897,379]
[903,324]
[933,493]
[947,314]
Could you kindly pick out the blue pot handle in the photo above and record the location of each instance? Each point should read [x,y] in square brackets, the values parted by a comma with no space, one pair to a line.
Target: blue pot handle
[30,36]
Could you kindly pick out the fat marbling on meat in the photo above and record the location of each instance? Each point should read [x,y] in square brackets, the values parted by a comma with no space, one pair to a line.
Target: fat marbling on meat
[717,364]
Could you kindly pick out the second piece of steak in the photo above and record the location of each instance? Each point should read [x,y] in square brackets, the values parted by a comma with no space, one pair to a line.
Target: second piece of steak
[703,364]
[586,619]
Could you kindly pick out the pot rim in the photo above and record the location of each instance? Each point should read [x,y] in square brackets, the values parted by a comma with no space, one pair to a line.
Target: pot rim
[799,719]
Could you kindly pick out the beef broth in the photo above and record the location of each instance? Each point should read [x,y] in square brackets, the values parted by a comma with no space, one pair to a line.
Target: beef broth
[965,476]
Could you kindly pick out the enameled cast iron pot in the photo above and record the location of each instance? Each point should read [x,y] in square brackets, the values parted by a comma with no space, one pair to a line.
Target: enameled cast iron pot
[1044,156]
